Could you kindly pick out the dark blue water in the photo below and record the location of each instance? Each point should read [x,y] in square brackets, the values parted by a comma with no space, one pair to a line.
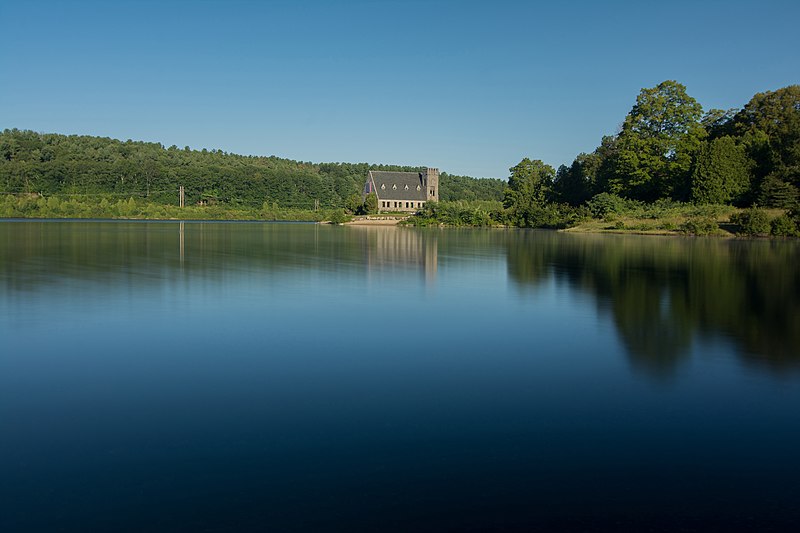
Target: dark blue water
[274,377]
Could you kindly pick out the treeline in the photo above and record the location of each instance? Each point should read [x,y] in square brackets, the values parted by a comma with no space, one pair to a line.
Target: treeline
[86,167]
[669,148]
[668,159]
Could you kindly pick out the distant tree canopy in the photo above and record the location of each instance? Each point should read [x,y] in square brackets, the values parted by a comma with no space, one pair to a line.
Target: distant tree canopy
[53,164]
[455,188]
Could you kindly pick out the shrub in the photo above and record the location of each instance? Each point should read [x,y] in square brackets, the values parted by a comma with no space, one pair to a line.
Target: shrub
[753,221]
[700,226]
[338,216]
[604,204]
[783,226]
[461,213]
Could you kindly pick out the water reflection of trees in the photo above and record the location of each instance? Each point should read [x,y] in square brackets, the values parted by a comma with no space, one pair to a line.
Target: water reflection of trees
[666,293]
[36,255]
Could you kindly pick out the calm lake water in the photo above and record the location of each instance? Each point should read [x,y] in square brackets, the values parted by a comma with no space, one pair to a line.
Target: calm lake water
[158,376]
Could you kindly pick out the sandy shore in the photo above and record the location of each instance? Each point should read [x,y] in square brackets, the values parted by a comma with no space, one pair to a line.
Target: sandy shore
[375,221]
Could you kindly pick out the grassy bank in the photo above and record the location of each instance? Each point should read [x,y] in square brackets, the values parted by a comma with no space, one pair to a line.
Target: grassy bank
[612,214]
[603,214]
[660,218]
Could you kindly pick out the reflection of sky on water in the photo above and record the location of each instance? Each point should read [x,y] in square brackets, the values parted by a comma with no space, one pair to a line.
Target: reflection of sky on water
[660,293]
[303,375]
[667,297]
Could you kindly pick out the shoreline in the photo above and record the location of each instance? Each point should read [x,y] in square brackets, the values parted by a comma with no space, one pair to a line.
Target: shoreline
[375,220]
[591,227]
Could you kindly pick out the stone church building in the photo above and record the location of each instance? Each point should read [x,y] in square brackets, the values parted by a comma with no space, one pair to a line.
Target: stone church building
[403,191]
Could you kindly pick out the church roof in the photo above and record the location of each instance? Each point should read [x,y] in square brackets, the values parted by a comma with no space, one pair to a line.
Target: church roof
[399,185]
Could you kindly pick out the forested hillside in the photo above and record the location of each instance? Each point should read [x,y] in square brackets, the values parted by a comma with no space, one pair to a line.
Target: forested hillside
[54,165]
[669,161]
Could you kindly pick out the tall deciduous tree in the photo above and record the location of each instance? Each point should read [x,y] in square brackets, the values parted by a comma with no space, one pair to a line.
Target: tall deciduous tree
[659,138]
[776,113]
[371,203]
[770,127]
[529,184]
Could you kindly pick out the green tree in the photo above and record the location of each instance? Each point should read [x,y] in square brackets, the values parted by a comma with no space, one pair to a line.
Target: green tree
[354,204]
[371,203]
[659,138]
[721,173]
[777,190]
[338,216]
[576,184]
[769,125]
[528,188]
[719,122]
[455,188]
[606,178]
[776,113]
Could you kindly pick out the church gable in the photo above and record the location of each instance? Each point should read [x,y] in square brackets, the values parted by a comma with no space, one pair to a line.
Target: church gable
[398,185]
[403,191]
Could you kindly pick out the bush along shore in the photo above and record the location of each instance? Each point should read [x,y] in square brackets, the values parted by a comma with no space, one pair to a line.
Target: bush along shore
[607,213]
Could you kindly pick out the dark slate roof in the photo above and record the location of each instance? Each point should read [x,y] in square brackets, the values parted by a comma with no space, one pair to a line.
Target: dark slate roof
[399,185]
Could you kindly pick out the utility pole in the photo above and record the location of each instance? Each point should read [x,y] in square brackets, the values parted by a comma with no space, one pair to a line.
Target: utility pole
[181,242]
[181,194]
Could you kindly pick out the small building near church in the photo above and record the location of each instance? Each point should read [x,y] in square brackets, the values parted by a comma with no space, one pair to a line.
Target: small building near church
[403,191]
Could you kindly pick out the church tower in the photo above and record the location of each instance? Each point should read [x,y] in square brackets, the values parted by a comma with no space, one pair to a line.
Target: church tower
[432,183]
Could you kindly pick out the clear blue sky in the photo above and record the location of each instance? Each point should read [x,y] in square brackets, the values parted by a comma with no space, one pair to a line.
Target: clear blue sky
[470,87]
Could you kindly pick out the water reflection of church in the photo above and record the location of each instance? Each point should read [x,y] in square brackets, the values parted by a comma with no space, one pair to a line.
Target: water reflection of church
[395,249]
